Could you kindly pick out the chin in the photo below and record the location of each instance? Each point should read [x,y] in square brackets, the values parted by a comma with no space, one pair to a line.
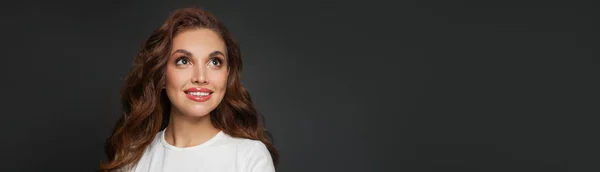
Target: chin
[197,114]
[198,110]
[192,108]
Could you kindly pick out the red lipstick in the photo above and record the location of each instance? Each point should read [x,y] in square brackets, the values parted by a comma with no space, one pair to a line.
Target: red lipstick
[198,94]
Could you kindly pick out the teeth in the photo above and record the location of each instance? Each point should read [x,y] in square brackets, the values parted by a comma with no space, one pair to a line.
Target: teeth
[199,93]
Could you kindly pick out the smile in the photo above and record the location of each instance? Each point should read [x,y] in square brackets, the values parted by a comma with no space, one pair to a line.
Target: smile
[198,94]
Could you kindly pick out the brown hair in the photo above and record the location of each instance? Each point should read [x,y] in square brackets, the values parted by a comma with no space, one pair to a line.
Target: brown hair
[146,106]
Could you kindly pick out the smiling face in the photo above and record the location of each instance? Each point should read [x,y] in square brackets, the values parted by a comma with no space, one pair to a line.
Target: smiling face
[196,72]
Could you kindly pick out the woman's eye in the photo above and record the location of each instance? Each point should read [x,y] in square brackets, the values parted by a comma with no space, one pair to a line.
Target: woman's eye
[182,61]
[215,62]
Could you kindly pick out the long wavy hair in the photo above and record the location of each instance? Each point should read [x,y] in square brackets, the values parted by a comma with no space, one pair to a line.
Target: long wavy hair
[146,106]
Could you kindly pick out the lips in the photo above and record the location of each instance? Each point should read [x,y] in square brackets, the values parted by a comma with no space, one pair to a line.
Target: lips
[198,94]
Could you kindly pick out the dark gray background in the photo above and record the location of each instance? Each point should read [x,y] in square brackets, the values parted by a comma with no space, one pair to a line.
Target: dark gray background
[344,85]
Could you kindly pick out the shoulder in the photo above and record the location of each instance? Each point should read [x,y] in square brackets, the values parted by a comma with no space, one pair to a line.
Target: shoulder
[256,157]
[246,147]
[253,155]
[251,148]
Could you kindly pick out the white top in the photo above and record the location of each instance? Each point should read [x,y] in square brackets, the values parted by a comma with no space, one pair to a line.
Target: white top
[222,153]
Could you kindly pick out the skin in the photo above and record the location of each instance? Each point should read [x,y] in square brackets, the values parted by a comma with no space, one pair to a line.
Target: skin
[198,60]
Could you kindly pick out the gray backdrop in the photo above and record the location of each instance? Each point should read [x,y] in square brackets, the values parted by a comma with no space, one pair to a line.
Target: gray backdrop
[344,85]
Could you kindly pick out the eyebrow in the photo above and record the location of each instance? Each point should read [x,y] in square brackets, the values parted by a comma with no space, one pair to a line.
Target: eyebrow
[187,53]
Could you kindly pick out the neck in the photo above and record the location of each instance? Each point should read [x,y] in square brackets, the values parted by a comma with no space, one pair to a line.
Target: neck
[186,131]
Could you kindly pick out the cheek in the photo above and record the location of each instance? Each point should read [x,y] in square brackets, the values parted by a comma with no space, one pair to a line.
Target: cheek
[175,78]
[219,79]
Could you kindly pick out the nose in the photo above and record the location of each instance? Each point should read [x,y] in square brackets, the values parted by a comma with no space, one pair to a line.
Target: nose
[199,76]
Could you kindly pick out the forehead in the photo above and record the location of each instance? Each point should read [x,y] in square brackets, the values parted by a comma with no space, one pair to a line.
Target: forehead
[199,42]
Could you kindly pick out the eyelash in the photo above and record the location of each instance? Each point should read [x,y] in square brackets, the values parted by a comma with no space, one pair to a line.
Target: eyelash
[217,60]
[220,62]
[182,58]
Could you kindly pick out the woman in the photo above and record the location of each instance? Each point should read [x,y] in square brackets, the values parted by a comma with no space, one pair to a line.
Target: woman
[184,106]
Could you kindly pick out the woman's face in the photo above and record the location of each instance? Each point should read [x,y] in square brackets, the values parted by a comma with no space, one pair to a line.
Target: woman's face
[196,72]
